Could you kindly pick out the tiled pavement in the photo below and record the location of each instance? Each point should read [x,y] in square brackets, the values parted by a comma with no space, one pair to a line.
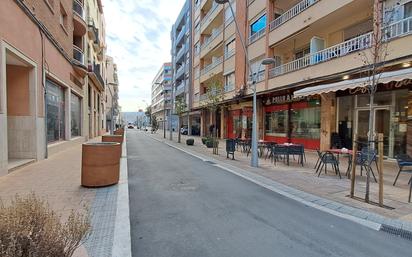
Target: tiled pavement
[57,180]
[326,190]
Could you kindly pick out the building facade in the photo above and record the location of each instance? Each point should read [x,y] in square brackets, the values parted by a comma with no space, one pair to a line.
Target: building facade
[44,77]
[315,92]
[181,36]
[162,97]
[111,95]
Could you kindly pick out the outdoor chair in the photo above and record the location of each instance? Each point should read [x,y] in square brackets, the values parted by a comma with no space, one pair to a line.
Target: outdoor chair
[269,150]
[364,159]
[329,158]
[279,151]
[318,162]
[298,150]
[405,165]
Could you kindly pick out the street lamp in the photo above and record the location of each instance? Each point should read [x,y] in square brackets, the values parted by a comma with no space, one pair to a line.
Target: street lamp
[266,61]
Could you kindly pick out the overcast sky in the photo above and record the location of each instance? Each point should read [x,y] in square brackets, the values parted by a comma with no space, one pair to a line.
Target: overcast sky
[138,37]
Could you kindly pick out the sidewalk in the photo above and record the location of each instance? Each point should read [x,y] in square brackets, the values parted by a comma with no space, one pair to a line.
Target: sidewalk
[57,179]
[327,186]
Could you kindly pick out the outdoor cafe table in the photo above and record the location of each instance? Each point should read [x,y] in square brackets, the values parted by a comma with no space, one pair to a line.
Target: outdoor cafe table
[338,152]
[288,152]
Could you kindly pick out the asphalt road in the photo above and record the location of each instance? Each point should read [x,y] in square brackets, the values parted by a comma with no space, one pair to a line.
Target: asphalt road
[181,206]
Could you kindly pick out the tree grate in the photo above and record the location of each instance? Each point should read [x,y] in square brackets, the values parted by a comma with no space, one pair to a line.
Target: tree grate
[396,231]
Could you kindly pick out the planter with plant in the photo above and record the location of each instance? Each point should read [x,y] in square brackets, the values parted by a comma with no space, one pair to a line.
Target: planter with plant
[190,141]
[29,227]
[204,139]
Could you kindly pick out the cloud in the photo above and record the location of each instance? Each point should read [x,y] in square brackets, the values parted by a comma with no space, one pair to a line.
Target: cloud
[138,37]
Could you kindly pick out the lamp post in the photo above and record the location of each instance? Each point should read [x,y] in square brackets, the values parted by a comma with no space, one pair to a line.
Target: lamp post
[266,61]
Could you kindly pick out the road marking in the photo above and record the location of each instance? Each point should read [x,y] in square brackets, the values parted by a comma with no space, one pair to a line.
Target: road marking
[367,223]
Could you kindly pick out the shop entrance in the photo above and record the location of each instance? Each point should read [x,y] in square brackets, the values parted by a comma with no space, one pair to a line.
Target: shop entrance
[382,117]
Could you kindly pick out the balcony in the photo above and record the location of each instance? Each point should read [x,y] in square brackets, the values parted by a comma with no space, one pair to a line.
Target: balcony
[398,29]
[180,35]
[292,12]
[256,36]
[180,89]
[180,54]
[78,55]
[95,76]
[212,41]
[180,72]
[345,48]
[211,69]
[211,16]
[230,54]
[79,23]
[312,15]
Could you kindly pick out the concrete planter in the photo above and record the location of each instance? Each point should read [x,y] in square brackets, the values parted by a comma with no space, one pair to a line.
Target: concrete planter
[120,131]
[190,141]
[100,164]
[113,138]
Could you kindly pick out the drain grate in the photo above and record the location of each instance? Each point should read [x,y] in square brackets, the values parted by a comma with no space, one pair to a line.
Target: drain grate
[396,231]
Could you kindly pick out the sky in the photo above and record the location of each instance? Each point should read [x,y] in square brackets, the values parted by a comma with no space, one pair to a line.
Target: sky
[138,37]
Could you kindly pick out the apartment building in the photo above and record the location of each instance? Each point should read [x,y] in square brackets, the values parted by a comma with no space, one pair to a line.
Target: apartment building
[181,36]
[95,47]
[112,95]
[162,97]
[316,90]
[44,78]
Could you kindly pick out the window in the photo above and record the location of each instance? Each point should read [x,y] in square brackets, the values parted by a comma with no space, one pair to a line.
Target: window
[276,121]
[63,17]
[305,120]
[258,25]
[230,48]
[228,14]
[197,48]
[55,112]
[302,52]
[261,72]
[407,11]
[75,115]
[230,82]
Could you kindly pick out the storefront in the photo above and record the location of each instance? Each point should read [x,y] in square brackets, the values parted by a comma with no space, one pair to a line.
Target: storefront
[55,112]
[390,116]
[239,123]
[289,120]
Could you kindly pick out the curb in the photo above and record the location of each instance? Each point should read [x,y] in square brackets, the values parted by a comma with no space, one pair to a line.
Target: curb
[362,217]
[122,237]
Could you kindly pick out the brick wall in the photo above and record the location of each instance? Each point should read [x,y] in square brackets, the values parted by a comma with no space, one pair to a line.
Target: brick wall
[48,12]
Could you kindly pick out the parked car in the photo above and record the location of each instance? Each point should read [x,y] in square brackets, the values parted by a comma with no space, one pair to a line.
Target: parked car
[184,130]
[130,126]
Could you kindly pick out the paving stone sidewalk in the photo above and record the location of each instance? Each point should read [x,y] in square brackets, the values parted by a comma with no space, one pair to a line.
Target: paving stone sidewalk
[328,187]
[57,180]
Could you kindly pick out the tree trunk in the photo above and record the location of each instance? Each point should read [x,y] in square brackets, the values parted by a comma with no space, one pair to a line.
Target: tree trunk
[370,144]
[178,130]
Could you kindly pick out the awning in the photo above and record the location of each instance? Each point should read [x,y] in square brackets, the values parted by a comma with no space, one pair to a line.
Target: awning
[385,77]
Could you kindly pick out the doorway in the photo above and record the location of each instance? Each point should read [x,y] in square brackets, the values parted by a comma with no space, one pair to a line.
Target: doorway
[382,117]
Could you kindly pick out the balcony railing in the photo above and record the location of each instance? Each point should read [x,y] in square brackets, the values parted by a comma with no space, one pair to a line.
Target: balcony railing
[78,8]
[78,54]
[292,12]
[230,53]
[207,16]
[256,36]
[180,71]
[180,89]
[212,65]
[97,72]
[342,49]
[214,34]
[180,35]
[179,54]
[397,29]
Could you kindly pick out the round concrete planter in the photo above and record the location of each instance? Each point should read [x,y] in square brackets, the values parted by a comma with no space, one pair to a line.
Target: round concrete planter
[113,138]
[120,131]
[100,164]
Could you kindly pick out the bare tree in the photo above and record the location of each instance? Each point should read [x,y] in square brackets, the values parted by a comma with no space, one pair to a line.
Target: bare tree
[374,59]
[180,108]
[215,95]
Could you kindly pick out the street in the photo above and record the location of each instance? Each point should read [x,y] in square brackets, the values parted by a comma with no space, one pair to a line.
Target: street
[182,206]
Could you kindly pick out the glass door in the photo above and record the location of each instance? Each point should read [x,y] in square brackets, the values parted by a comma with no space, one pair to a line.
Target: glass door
[381,125]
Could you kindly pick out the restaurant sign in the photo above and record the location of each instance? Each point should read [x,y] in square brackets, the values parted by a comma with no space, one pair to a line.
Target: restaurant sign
[282,99]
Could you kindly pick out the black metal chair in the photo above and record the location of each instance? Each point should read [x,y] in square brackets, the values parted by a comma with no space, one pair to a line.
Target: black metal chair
[298,150]
[318,162]
[280,151]
[269,150]
[405,161]
[329,158]
[365,159]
